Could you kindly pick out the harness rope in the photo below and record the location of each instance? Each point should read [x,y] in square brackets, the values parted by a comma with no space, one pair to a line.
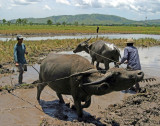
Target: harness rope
[104,57]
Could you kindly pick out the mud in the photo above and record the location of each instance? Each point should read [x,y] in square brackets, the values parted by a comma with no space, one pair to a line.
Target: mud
[141,109]
[5,70]
[20,107]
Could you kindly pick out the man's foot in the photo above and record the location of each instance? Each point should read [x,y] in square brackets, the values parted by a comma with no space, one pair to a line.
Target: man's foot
[17,84]
[21,83]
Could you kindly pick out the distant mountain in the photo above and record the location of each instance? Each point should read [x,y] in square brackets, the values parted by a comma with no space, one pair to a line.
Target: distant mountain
[90,19]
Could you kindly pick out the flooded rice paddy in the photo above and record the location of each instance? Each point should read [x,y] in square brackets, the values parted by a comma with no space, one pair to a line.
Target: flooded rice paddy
[149,58]
[81,36]
[25,114]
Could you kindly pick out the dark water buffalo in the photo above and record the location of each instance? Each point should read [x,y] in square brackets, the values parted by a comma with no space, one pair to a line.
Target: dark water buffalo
[100,51]
[74,75]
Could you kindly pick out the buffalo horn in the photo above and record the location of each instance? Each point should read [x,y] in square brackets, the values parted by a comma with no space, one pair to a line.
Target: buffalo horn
[106,76]
[87,40]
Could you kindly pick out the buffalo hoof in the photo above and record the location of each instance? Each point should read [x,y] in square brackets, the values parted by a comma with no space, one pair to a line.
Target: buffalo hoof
[81,117]
[39,101]
[61,102]
[73,107]
[67,104]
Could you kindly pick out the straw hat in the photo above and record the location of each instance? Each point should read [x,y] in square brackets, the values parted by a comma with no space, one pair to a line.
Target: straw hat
[19,37]
[130,40]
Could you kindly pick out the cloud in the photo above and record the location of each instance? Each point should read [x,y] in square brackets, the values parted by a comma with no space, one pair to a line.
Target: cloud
[46,7]
[63,2]
[141,6]
[24,2]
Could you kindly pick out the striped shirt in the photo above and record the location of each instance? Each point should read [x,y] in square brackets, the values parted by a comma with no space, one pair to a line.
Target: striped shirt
[132,56]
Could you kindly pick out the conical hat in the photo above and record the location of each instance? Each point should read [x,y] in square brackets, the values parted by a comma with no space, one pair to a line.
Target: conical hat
[130,40]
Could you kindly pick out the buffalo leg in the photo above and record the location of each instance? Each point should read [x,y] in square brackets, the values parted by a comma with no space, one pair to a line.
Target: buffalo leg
[78,107]
[116,65]
[106,65]
[97,66]
[60,98]
[137,87]
[92,62]
[87,103]
[40,87]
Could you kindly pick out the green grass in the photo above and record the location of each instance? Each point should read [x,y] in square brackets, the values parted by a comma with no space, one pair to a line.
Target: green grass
[53,29]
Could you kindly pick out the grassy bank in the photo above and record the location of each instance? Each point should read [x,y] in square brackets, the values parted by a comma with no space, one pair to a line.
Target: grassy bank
[39,48]
[53,29]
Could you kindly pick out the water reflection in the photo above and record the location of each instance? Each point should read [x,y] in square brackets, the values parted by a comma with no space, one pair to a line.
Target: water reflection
[149,58]
[110,36]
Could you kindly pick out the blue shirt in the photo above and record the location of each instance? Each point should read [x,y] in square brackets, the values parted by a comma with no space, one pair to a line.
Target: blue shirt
[132,56]
[19,52]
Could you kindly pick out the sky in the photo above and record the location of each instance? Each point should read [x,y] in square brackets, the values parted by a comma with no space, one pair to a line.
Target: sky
[130,9]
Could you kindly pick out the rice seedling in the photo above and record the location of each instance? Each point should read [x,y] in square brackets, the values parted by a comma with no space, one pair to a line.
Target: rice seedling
[39,48]
[69,29]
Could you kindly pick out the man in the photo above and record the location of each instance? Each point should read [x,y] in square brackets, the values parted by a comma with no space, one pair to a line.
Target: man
[97,29]
[19,57]
[131,57]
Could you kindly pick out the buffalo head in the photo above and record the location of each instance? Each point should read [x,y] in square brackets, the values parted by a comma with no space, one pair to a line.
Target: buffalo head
[116,79]
[83,46]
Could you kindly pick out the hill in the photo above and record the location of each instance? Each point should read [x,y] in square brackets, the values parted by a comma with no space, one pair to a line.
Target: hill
[90,19]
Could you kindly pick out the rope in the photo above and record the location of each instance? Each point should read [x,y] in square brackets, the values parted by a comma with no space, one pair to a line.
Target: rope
[33,105]
[26,101]
[35,68]
[104,57]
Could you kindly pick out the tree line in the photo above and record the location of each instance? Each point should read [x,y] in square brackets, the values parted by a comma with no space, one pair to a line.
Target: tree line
[20,21]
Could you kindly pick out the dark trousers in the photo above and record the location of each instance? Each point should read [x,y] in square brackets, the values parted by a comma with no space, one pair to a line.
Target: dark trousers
[21,69]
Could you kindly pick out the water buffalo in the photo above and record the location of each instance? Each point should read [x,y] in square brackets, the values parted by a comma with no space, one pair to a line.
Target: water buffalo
[100,51]
[74,75]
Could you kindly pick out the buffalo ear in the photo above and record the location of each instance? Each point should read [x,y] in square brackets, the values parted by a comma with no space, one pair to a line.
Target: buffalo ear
[103,87]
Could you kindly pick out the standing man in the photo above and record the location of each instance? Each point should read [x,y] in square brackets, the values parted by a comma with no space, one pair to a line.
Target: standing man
[131,57]
[97,29]
[19,57]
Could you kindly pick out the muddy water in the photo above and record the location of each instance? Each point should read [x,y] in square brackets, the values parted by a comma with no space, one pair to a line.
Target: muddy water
[110,36]
[149,57]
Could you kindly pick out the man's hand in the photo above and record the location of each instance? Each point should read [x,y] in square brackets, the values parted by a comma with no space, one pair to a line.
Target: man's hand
[26,53]
[118,63]
[126,62]
[17,64]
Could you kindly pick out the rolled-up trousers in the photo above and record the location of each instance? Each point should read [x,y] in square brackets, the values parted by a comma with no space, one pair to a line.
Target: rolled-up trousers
[21,70]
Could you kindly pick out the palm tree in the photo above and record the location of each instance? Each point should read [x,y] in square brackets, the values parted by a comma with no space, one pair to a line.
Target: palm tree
[19,21]
[24,21]
[64,23]
[49,22]
[8,23]
[76,23]
[4,21]
[58,23]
